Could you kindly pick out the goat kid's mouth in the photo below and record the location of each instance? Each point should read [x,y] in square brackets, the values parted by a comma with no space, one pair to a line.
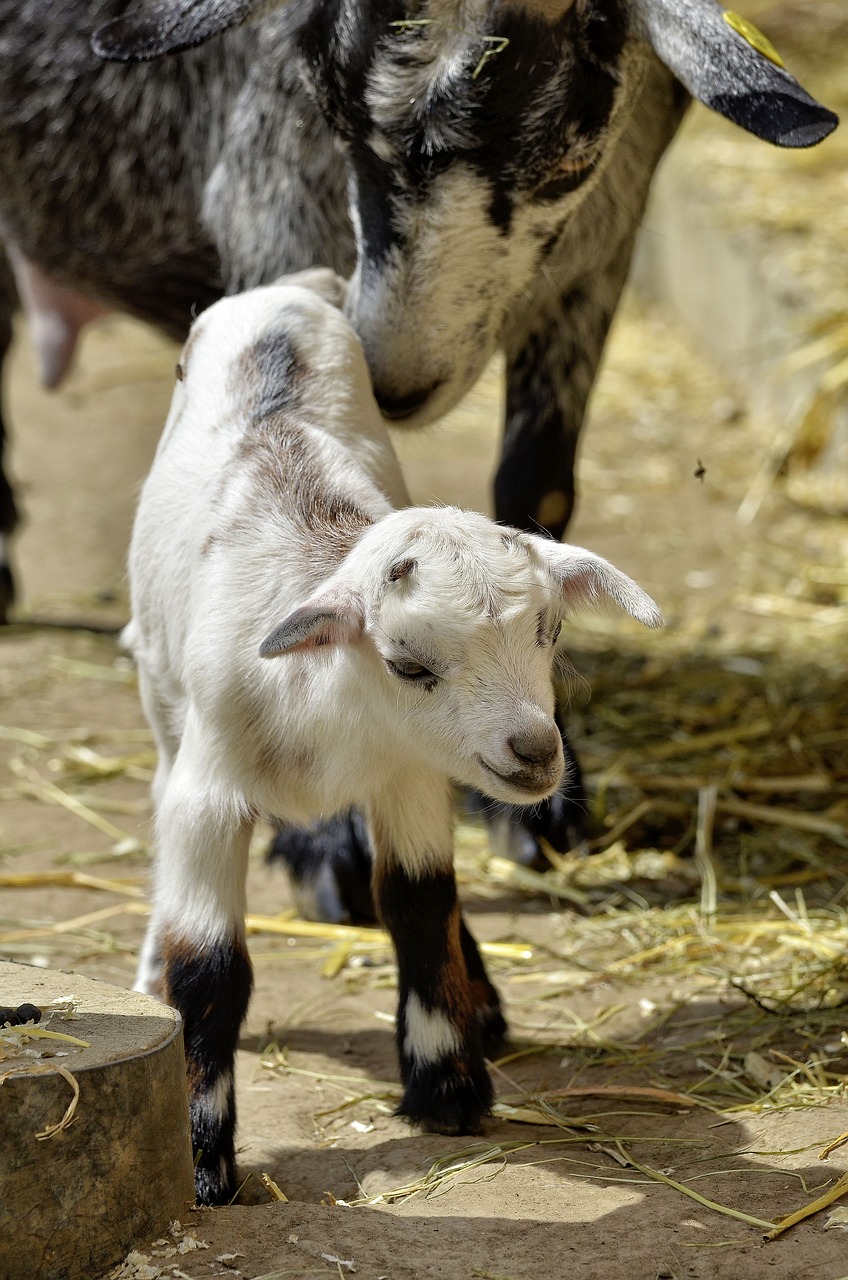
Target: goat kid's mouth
[530,784]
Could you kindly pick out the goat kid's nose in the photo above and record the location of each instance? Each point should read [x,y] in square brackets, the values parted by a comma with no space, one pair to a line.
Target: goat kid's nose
[538,750]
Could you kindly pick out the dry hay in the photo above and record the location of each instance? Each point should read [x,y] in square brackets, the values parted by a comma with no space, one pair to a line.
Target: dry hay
[796,205]
[697,958]
[694,960]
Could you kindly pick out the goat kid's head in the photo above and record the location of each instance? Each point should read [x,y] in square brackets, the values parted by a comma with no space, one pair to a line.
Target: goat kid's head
[454,621]
[473,130]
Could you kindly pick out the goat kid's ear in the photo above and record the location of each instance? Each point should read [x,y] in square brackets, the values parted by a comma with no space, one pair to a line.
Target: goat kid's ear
[587,581]
[731,67]
[154,27]
[337,617]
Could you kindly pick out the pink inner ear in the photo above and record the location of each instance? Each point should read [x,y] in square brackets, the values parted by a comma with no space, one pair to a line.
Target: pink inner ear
[336,617]
[581,587]
[327,636]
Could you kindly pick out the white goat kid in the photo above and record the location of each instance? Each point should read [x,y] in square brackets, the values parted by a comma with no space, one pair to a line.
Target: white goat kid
[411,648]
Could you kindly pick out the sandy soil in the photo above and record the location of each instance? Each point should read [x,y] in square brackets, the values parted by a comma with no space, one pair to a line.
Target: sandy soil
[316,1116]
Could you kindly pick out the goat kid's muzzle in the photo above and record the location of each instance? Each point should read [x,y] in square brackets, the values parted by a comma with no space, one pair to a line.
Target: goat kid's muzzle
[530,783]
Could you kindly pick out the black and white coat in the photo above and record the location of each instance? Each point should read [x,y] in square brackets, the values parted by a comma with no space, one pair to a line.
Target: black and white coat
[305,642]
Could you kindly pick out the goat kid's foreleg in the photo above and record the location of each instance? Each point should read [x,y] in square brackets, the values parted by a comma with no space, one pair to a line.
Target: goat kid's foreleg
[447,1007]
[196,947]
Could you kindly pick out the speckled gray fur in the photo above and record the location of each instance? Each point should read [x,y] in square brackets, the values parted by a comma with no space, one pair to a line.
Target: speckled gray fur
[478,194]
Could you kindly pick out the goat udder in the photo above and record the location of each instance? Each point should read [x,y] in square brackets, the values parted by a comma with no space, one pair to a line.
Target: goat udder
[56,315]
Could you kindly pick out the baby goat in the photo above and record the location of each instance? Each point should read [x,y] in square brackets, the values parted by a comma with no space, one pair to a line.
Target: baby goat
[303,645]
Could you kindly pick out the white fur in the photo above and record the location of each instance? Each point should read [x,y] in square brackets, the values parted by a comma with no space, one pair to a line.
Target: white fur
[213,1103]
[218,561]
[430,1035]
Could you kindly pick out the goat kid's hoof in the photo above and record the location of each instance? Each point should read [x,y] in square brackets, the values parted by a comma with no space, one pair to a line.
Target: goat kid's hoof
[438,1099]
[214,1186]
[493,1029]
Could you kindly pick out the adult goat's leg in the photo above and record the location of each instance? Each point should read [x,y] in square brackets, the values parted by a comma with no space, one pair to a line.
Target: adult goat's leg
[552,361]
[554,344]
[553,355]
[8,509]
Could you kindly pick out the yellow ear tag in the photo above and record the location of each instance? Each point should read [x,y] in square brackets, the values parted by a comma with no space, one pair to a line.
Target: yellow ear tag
[752,36]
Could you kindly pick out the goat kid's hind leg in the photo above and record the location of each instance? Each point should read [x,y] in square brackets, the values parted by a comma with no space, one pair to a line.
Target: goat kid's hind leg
[197,935]
[439,1033]
[484,996]
[160,715]
[329,868]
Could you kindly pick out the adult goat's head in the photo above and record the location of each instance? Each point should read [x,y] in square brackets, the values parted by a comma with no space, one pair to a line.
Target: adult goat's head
[473,131]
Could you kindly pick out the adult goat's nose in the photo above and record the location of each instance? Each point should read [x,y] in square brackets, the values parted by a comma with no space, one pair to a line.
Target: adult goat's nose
[396,408]
[539,749]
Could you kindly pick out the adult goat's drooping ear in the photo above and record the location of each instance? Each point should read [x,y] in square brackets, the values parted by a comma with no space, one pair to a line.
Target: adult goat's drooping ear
[336,616]
[728,65]
[588,581]
[154,27]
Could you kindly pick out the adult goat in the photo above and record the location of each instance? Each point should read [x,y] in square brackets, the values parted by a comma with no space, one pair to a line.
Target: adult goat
[479,168]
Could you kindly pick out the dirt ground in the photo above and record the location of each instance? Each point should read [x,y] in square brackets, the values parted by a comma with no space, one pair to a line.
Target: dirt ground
[582,1193]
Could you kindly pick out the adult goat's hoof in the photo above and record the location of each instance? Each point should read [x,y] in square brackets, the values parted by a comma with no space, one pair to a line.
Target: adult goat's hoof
[7,593]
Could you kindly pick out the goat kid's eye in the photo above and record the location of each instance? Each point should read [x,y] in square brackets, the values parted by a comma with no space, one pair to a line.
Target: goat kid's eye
[412,671]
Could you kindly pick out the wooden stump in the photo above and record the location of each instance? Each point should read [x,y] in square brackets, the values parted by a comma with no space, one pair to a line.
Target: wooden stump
[80,1188]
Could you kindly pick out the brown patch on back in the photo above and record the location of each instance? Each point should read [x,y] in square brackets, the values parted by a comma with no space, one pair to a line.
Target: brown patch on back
[266,382]
[289,475]
[267,376]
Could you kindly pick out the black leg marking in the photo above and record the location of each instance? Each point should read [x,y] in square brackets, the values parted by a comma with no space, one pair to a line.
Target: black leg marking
[438,1033]
[8,509]
[210,985]
[534,484]
[484,996]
